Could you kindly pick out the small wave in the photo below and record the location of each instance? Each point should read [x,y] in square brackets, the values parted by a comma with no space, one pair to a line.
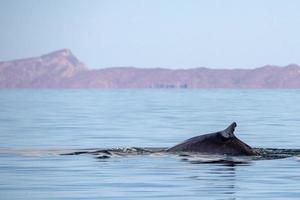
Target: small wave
[194,158]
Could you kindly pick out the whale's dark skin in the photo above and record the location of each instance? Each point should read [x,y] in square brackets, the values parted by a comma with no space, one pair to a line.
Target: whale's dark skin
[222,142]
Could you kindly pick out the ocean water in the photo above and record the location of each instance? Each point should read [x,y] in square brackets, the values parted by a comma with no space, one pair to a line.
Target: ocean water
[35,125]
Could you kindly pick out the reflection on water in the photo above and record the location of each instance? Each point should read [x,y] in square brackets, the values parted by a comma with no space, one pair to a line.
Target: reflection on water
[143,177]
[38,128]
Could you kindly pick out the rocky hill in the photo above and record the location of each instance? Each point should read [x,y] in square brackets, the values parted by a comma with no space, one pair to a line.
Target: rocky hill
[61,69]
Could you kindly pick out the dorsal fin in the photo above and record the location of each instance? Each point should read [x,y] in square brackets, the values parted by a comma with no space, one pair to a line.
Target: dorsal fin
[228,132]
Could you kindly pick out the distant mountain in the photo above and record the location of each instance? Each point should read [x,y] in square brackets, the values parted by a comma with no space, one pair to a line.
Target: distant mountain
[61,69]
[46,71]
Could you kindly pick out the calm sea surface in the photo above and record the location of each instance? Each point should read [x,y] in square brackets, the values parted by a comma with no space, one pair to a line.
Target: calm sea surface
[35,121]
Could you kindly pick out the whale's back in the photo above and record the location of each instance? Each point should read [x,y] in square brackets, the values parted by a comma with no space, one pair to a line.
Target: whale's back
[222,142]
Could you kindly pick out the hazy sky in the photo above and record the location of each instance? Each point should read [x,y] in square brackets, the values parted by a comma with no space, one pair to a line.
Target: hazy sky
[154,33]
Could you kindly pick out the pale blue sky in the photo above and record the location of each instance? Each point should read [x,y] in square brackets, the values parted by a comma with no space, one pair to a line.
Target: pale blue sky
[154,33]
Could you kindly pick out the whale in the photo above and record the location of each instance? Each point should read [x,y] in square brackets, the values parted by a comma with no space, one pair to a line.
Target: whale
[218,147]
[222,142]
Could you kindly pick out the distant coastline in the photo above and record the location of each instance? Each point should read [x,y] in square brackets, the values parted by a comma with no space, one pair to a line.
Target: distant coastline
[61,69]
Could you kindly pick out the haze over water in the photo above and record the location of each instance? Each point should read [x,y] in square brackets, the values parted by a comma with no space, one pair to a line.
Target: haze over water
[38,120]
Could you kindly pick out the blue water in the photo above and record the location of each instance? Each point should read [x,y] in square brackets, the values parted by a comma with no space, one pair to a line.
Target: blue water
[33,121]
